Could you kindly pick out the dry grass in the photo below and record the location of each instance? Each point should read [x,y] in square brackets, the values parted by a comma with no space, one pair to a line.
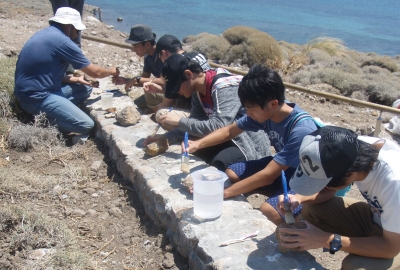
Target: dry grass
[383,62]
[25,137]
[7,70]
[333,46]
[294,62]
[29,231]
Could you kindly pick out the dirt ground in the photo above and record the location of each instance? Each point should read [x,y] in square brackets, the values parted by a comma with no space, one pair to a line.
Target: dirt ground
[80,186]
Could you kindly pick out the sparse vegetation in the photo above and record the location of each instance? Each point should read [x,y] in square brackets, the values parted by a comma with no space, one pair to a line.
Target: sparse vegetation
[382,62]
[7,70]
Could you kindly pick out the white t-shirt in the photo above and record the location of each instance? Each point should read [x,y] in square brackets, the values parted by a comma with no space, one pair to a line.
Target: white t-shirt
[381,187]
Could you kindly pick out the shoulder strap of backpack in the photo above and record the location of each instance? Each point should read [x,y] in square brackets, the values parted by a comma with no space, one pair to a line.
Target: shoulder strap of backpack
[297,119]
[219,76]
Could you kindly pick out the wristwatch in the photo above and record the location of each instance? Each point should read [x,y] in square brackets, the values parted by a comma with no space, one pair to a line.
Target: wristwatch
[138,79]
[335,244]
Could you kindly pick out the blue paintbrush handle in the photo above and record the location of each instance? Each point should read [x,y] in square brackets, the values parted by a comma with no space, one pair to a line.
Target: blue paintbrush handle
[284,184]
[185,143]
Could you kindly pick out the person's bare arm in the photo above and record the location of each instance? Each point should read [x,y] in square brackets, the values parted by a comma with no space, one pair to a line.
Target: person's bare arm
[216,137]
[100,72]
[264,177]
[386,246]
[73,79]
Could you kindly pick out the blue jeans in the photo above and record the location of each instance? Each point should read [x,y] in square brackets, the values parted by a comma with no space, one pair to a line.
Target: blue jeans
[61,110]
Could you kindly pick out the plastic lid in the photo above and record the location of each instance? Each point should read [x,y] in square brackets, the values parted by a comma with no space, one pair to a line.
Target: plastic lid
[209,174]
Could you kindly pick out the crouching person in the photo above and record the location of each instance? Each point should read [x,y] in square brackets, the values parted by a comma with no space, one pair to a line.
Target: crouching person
[330,159]
[215,104]
[262,93]
[41,68]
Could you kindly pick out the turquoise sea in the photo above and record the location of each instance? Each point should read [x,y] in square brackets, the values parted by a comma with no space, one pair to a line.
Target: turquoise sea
[364,25]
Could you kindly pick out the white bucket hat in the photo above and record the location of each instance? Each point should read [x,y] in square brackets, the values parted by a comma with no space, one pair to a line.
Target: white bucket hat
[66,15]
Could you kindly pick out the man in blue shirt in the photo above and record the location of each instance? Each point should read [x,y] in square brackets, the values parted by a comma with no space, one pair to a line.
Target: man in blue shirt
[262,93]
[40,72]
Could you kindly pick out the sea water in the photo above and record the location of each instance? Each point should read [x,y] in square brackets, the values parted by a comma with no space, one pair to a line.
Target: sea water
[363,25]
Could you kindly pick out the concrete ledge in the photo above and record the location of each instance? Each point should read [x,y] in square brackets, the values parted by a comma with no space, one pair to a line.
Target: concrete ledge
[169,205]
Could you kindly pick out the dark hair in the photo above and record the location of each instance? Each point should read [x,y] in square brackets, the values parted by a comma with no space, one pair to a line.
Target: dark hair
[152,42]
[194,67]
[367,156]
[261,85]
[174,49]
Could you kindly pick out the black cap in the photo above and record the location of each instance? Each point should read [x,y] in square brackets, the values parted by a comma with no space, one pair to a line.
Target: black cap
[140,33]
[173,70]
[167,43]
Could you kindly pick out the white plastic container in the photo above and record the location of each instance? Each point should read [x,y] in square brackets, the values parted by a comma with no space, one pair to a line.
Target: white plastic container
[106,100]
[208,192]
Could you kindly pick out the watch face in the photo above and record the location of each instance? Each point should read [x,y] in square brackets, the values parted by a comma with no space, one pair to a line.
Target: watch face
[335,246]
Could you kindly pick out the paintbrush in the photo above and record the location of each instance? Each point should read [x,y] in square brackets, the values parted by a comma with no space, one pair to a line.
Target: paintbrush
[185,156]
[158,126]
[286,203]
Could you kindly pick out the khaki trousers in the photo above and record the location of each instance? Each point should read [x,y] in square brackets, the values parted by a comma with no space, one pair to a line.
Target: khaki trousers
[178,112]
[352,218]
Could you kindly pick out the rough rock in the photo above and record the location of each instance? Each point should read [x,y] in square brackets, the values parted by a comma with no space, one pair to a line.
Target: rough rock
[297,225]
[157,147]
[128,116]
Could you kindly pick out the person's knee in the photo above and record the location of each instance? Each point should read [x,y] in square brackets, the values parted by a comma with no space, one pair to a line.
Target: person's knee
[271,213]
[232,175]
[86,127]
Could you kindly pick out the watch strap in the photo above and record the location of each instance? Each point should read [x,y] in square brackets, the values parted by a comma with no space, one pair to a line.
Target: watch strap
[335,244]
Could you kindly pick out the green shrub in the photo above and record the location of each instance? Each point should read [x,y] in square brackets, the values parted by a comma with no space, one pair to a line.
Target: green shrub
[345,82]
[382,62]
[261,48]
[320,57]
[238,34]
[376,70]
[345,63]
[235,53]
[382,87]
[190,39]
[212,46]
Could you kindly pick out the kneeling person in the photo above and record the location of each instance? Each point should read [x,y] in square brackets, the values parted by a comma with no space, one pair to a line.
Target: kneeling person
[215,104]
[332,158]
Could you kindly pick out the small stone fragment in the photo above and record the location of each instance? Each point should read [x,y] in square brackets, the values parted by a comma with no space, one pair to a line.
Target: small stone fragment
[26,159]
[78,213]
[116,212]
